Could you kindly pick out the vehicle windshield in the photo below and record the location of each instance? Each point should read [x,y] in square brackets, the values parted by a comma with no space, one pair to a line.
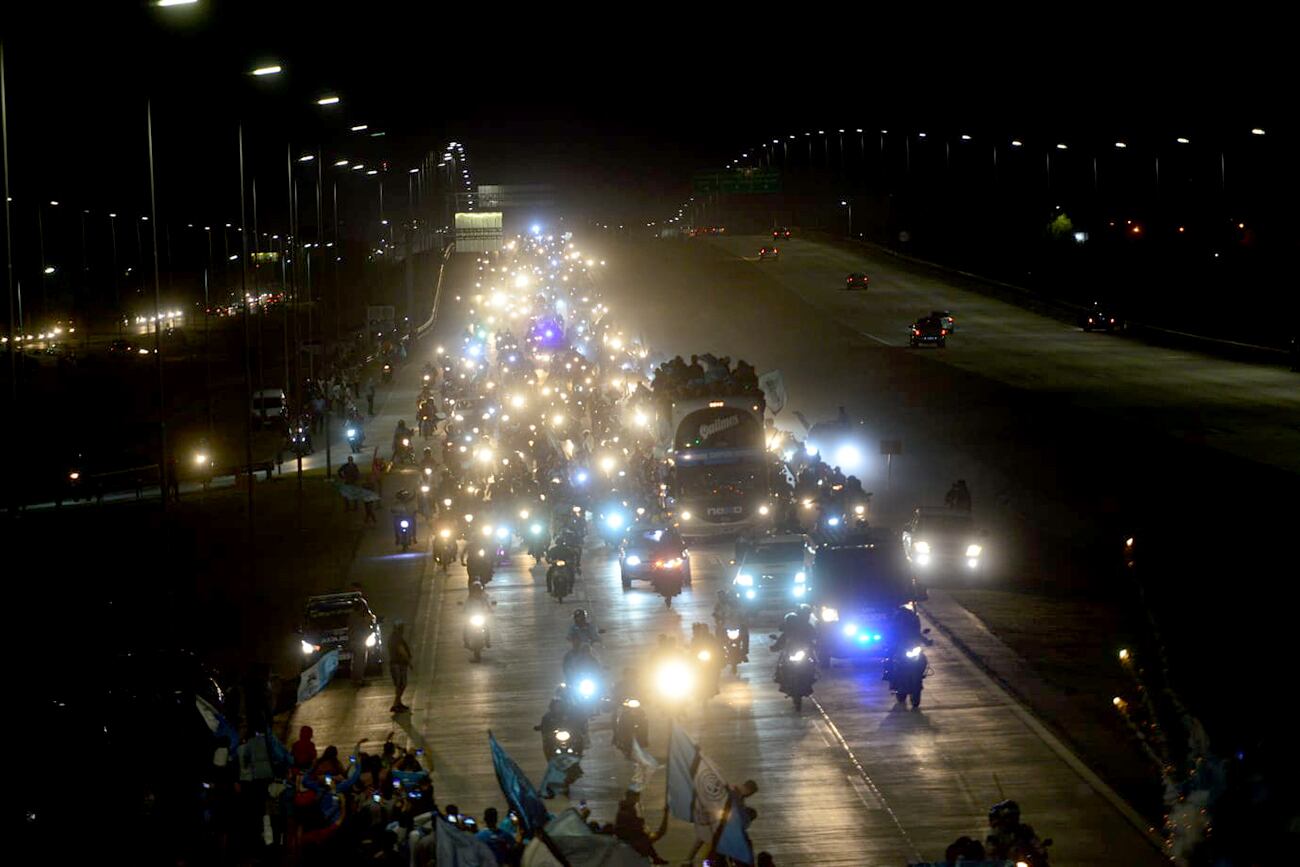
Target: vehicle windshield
[718,481]
[777,553]
[657,540]
[874,577]
[945,524]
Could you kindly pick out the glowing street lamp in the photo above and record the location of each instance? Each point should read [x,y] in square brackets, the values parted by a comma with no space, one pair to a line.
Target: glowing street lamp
[328,100]
[273,69]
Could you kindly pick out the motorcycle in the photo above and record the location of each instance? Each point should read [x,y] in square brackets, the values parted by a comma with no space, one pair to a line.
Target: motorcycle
[564,749]
[300,441]
[388,372]
[631,725]
[405,532]
[560,577]
[445,550]
[356,437]
[537,543]
[906,675]
[475,634]
[405,453]
[479,567]
[796,671]
[733,649]
[668,584]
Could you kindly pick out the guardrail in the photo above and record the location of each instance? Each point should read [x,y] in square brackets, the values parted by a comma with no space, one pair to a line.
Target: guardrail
[437,291]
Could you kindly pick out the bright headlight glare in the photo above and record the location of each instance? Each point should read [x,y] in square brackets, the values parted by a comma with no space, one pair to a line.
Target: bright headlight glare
[763,510]
[674,680]
[830,615]
[921,547]
[798,656]
[476,620]
[914,653]
[745,580]
[352,432]
[974,550]
[633,560]
[308,648]
[371,640]
[587,687]
[405,525]
[800,577]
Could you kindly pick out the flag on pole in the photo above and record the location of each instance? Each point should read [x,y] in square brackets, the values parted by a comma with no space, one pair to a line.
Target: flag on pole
[644,768]
[683,759]
[217,724]
[519,791]
[456,848]
[731,839]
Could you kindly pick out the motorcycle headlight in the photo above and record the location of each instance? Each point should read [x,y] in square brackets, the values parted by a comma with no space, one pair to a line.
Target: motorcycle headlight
[800,577]
[424,489]
[859,509]
[428,471]
[704,656]
[830,615]
[745,580]
[614,520]
[477,620]
[308,648]
[834,522]
[487,532]
[352,432]
[446,534]
[632,703]
[914,653]
[798,656]
[921,547]
[406,442]
[686,516]
[372,640]
[405,524]
[800,589]
[974,550]
[562,736]
[503,532]
[200,459]
[763,509]
[850,629]
[536,529]
[523,514]
[633,560]
[674,680]
[733,634]
[586,687]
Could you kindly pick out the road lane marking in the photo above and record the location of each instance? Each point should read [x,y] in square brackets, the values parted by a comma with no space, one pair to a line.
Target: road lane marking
[1053,743]
[913,853]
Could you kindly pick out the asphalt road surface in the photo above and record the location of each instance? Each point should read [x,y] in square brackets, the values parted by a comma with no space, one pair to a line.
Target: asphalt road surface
[850,780]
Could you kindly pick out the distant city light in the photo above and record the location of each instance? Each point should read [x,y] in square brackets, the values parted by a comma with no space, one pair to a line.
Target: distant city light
[328,100]
[267,70]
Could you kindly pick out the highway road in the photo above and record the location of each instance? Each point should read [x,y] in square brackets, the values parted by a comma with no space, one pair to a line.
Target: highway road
[850,780]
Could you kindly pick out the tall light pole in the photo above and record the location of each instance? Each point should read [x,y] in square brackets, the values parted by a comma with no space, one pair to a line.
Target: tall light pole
[117,295]
[248,368]
[157,310]
[9,272]
[845,203]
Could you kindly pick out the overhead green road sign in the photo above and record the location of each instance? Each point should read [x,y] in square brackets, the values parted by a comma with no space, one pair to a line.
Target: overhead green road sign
[738,181]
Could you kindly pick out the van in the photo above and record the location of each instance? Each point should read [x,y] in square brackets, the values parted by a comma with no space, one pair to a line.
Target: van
[270,406]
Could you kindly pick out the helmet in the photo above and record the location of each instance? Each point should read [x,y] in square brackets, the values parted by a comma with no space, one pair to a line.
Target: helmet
[476,587]
[790,621]
[580,615]
[1004,813]
[804,611]
[403,495]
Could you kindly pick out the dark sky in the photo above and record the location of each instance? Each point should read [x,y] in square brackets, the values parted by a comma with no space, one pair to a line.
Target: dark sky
[614,104]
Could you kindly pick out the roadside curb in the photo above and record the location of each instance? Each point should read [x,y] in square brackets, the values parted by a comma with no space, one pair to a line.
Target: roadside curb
[1025,691]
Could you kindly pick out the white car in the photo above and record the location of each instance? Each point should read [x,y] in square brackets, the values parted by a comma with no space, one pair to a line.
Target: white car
[270,406]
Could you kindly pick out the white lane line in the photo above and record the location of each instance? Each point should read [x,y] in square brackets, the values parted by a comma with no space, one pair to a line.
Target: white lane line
[1132,816]
[913,853]
[874,337]
[869,800]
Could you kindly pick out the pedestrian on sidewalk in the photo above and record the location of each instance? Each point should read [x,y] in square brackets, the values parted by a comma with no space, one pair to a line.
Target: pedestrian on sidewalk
[370,396]
[377,469]
[350,474]
[399,664]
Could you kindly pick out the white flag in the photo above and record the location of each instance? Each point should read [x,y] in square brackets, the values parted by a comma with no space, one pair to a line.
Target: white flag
[644,767]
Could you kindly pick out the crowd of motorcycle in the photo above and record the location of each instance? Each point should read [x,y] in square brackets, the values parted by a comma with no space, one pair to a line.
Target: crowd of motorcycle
[532,432]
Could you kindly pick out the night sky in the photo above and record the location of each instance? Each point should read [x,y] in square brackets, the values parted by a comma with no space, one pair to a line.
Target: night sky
[615,106]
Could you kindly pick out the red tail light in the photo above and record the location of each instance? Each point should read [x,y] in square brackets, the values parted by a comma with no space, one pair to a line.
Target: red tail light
[943,331]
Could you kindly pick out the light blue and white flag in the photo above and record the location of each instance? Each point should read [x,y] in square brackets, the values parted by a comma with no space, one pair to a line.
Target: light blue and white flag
[318,676]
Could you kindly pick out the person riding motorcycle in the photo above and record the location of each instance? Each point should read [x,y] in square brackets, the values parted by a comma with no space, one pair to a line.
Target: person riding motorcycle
[479,562]
[582,630]
[400,433]
[1009,838]
[958,496]
[797,630]
[560,553]
[706,651]
[478,602]
[404,509]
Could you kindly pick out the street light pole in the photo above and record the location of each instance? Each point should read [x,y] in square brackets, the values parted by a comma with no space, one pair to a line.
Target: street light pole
[157,310]
[248,369]
[9,271]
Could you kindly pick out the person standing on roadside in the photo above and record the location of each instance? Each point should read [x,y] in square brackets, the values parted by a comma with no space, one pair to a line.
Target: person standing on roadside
[399,664]
[349,474]
[370,396]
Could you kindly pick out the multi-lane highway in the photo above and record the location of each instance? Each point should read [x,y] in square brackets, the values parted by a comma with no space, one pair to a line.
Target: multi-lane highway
[850,780]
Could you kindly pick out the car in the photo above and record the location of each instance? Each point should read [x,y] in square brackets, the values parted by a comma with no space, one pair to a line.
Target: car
[1101,317]
[326,625]
[646,550]
[270,406]
[121,348]
[856,280]
[938,540]
[857,581]
[780,232]
[928,330]
[770,572]
[769,252]
[946,318]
